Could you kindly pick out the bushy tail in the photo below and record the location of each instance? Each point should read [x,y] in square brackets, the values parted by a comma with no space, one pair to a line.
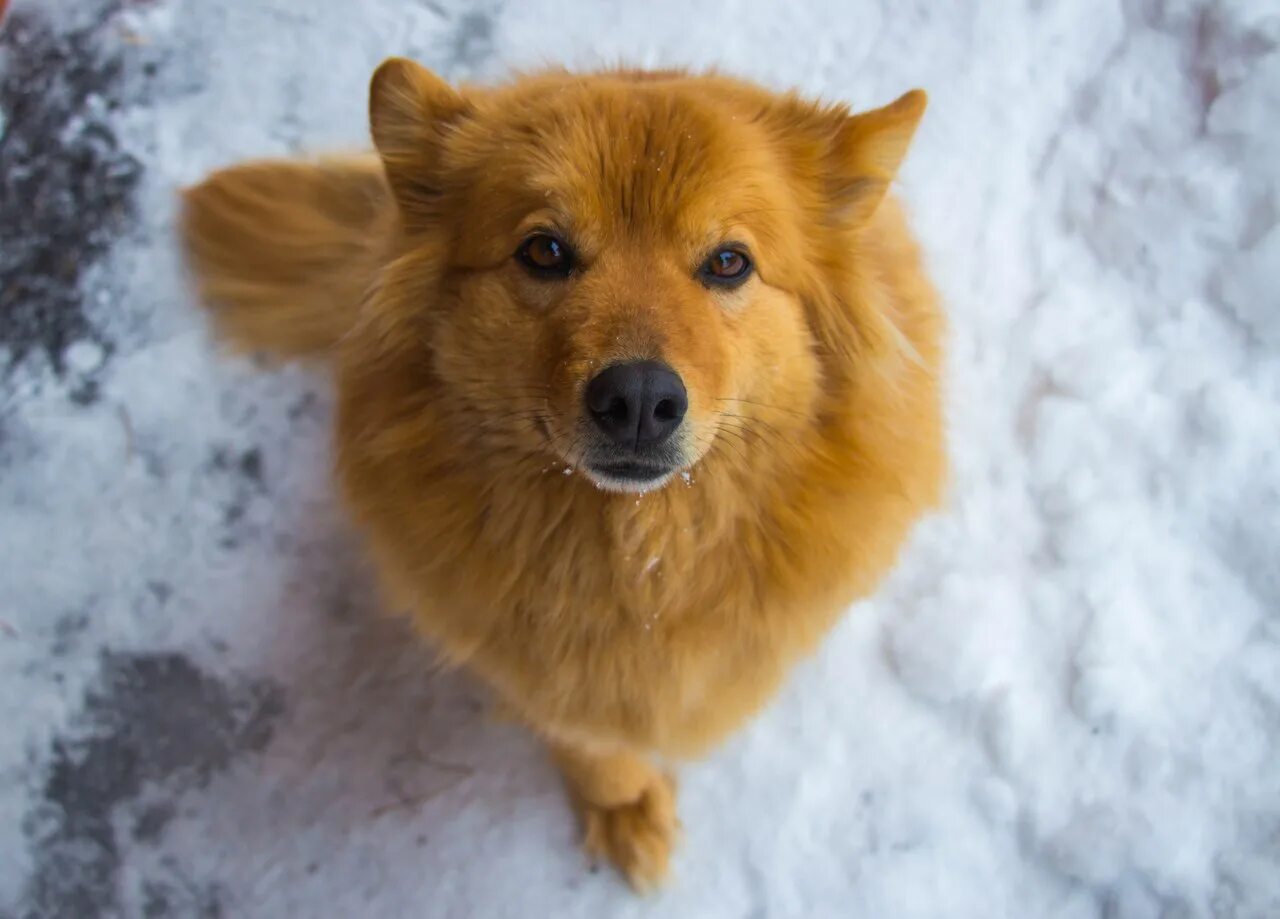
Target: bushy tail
[283,251]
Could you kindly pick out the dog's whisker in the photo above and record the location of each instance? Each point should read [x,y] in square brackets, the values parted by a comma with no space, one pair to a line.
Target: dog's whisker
[750,438]
[754,421]
[774,408]
[738,446]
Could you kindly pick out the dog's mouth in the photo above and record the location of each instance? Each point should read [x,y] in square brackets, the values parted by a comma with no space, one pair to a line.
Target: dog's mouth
[629,476]
[618,470]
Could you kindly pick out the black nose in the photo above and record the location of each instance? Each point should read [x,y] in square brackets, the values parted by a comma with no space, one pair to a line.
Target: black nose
[638,405]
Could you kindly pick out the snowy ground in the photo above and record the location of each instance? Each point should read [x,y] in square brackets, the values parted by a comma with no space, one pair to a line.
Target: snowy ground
[1065,703]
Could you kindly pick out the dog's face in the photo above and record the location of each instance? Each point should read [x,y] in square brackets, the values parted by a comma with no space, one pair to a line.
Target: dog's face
[615,267]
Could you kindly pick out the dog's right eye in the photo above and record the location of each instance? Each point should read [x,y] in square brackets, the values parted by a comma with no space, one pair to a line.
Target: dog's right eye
[545,256]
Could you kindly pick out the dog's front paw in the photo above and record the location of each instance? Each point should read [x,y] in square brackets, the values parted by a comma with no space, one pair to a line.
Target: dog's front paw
[638,836]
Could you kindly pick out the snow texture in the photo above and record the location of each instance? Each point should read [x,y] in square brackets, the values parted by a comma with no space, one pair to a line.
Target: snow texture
[1064,703]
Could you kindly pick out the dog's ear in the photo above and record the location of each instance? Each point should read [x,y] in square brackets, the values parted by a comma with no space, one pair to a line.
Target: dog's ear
[865,153]
[411,111]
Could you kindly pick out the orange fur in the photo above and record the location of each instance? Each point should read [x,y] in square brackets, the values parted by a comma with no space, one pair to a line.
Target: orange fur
[285,251]
[624,629]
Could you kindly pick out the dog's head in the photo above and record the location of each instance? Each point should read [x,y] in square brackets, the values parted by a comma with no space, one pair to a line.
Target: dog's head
[628,272]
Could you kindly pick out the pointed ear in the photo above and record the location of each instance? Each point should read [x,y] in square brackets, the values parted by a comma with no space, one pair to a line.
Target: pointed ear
[410,112]
[866,153]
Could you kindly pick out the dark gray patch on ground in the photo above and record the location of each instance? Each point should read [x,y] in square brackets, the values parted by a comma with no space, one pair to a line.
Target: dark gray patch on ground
[160,591]
[244,469]
[305,406]
[180,898]
[67,630]
[153,722]
[66,189]
[85,392]
[468,47]
[247,463]
[472,38]
[151,821]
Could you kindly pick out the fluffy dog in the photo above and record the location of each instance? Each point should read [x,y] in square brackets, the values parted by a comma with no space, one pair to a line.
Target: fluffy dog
[637,382]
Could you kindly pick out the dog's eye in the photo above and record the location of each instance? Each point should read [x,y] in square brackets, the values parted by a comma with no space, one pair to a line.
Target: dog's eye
[726,267]
[545,256]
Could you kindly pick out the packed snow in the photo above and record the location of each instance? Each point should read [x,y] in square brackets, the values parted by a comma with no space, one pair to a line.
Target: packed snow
[1064,703]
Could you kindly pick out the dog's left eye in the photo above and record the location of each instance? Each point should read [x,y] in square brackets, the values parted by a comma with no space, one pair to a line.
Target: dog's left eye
[545,256]
[726,267]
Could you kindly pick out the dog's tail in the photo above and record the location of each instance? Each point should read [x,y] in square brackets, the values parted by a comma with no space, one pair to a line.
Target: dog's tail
[284,251]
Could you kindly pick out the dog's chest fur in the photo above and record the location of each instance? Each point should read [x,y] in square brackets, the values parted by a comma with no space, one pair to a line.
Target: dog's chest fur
[649,619]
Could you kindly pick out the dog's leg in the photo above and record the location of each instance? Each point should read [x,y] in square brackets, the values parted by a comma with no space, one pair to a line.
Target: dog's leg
[628,810]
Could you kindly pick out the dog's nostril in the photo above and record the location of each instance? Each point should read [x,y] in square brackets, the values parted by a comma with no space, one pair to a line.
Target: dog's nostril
[618,409]
[665,410]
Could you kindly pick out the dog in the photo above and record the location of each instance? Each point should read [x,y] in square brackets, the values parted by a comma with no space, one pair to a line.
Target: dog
[637,389]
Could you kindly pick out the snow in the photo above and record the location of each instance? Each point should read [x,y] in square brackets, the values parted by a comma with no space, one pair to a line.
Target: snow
[1066,700]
